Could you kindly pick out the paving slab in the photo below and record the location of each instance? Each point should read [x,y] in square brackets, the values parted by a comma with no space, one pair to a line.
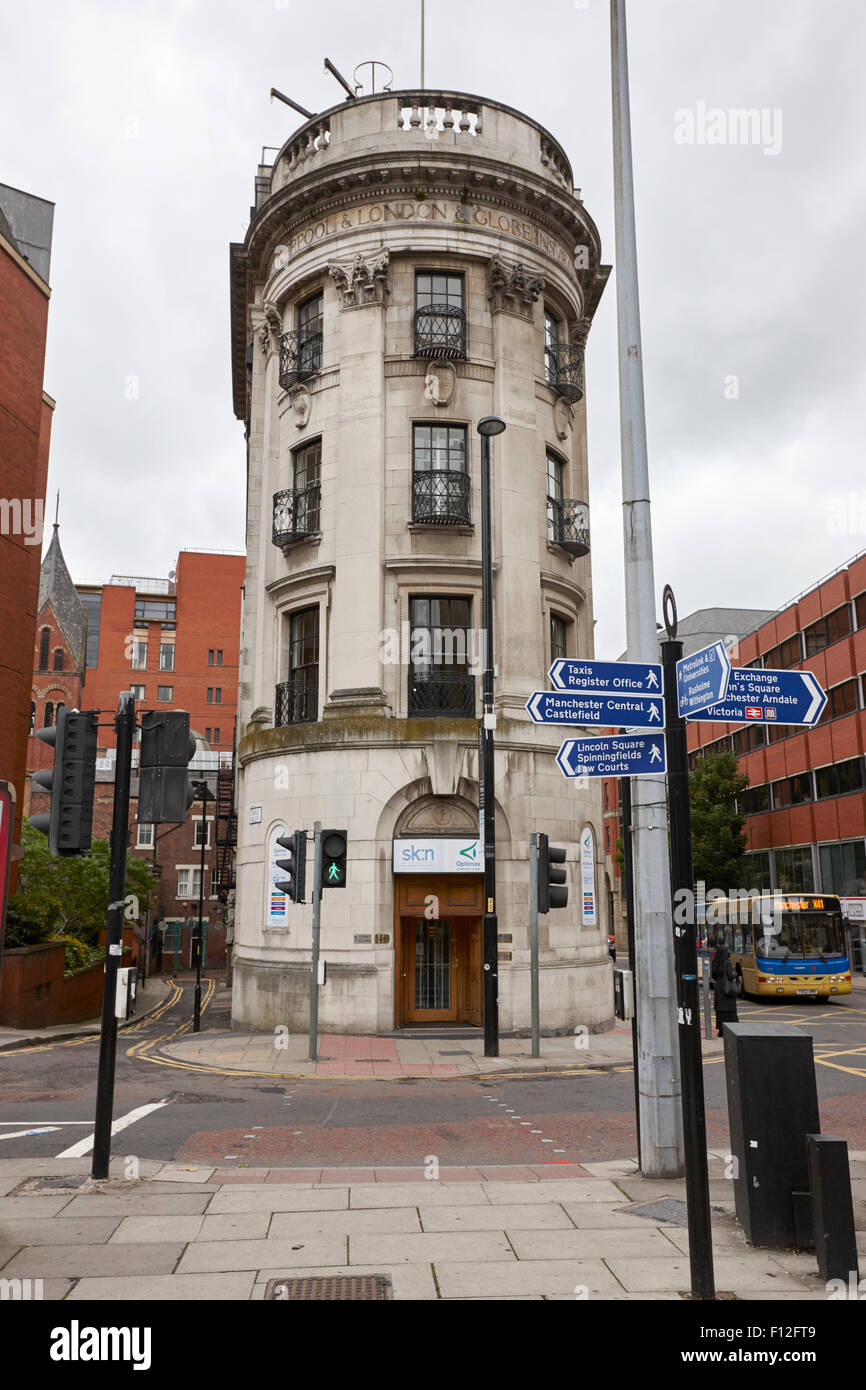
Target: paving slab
[588,1216]
[481,1246]
[138,1203]
[418,1193]
[213,1255]
[183,1173]
[42,1261]
[143,1230]
[90,1230]
[737,1275]
[246,1225]
[272,1197]
[7,1251]
[169,1288]
[593,1190]
[531,1216]
[409,1281]
[34,1207]
[375,1220]
[576,1278]
[592,1244]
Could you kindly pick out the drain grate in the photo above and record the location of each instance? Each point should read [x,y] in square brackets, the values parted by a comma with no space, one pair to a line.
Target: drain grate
[347,1287]
[668,1209]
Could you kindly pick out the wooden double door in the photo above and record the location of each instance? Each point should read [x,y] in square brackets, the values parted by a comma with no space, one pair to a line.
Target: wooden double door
[439,958]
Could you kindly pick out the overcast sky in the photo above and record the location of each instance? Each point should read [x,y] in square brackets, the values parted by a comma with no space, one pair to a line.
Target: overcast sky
[144,124]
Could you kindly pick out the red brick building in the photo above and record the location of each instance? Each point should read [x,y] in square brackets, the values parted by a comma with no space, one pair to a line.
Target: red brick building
[175,643]
[25,429]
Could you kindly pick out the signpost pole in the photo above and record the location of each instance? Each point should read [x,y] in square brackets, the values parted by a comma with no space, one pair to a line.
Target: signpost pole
[688,999]
[628,865]
[317,911]
[533,943]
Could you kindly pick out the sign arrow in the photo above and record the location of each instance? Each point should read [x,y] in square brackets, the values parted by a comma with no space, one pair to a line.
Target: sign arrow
[702,678]
[604,711]
[615,755]
[606,677]
[768,697]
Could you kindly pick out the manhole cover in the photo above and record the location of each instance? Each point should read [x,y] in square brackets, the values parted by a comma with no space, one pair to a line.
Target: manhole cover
[354,1287]
[668,1209]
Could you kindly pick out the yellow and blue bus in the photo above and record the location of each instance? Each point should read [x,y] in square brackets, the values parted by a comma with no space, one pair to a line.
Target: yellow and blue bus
[782,944]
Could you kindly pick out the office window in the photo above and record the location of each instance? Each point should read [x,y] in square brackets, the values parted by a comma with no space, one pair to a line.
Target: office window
[749,738]
[843,868]
[828,630]
[58,658]
[551,346]
[788,653]
[166,656]
[155,611]
[306,480]
[44,643]
[92,604]
[755,799]
[842,699]
[310,327]
[839,778]
[794,870]
[558,639]
[440,680]
[201,835]
[776,732]
[860,610]
[144,839]
[758,871]
[139,656]
[297,698]
[165,692]
[792,791]
[555,476]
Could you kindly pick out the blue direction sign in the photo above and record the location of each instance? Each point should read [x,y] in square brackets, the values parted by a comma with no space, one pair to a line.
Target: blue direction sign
[615,755]
[607,677]
[768,697]
[557,707]
[702,678]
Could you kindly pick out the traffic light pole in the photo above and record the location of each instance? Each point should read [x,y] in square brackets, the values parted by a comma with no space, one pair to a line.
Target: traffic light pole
[686,956]
[490,925]
[533,944]
[317,913]
[196,1016]
[125,727]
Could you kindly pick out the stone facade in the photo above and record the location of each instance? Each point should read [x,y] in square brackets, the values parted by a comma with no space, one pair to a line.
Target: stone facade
[361,202]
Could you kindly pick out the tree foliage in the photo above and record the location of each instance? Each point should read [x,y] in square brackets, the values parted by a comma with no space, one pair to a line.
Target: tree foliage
[718,839]
[68,897]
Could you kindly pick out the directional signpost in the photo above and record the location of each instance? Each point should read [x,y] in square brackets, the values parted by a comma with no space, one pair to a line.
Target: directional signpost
[637,711]
[606,677]
[767,697]
[615,755]
[702,679]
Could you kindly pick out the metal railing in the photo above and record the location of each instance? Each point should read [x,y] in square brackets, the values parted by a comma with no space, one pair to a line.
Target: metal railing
[433,693]
[440,331]
[440,497]
[565,370]
[568,525]
[296,514]
[300,356]
[296,702]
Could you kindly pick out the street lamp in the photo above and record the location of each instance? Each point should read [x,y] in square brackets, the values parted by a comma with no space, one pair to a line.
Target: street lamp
[204,795]
[489,426]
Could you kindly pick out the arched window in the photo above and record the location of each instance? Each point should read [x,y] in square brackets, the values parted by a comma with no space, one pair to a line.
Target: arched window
[58,658]
[44,640]
[49,713]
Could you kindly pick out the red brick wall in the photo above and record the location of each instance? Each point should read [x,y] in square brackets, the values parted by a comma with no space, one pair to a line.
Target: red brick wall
[25,428]
[37,994]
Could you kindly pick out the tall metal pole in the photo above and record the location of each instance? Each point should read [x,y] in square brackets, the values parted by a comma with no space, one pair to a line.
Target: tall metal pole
[533,944]
[422,45]
[490,921]
[658,1060]
[196,1018]
[125,727]
[628,875]
[688,1005]
[314,970]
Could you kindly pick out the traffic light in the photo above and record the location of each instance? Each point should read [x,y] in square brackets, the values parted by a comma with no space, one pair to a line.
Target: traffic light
[165,789]
[333,858]
[294,864]
[69,823]
[550,892]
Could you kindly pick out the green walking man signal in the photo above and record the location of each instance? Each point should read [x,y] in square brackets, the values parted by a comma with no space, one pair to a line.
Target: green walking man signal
[334,858]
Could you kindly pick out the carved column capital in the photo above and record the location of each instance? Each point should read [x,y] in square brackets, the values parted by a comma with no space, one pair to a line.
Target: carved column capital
[364,280]
[511,288]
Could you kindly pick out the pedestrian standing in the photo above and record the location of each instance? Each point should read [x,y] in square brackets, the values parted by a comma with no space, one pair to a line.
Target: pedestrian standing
[726,987]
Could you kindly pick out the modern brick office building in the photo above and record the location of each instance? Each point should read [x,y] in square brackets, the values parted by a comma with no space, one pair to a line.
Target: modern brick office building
[415,261]
[174,642]
[26,225]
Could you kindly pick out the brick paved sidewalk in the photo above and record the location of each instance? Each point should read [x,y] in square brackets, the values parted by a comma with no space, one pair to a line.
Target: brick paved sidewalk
[182,1232]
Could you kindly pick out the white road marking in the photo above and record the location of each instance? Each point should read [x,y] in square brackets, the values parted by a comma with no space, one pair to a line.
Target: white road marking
[23,1133]
[85,1145]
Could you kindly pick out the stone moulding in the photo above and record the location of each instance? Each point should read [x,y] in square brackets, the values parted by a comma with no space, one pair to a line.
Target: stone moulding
[362,281]
[511,288]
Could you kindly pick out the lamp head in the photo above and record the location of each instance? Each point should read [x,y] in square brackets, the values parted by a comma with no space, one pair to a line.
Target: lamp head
[490,425]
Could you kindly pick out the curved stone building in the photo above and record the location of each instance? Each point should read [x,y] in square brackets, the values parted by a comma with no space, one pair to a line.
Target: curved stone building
[415,261]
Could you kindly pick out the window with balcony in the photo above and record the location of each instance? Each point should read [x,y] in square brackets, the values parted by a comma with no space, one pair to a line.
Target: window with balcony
[297,699]
[440,315]
[563,362]
[440,482]
[166,656]
[296,509]
[827,630]
[567,518]
[441,655]
[301,347]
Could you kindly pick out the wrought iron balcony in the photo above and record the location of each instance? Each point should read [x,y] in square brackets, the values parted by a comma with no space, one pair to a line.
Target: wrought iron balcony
[296,702]
[565,370]
[568,525]
[300,356]
[440,331]
[441,693]
[296,515]
[440,497]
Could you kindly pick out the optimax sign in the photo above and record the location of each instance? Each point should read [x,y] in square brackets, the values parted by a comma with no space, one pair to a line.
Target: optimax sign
[438,856]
